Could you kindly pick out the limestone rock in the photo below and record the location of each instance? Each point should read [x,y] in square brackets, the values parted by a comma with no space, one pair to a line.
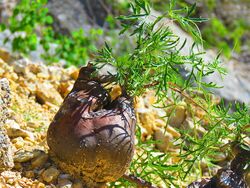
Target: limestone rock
[177,114]
[164,140]
[4,99]
[45,92]
[14,130]
[40,160]
[5,55]
[65,22]
[6,153]
[24,156]
[50,174]
[78,184]
[65,183]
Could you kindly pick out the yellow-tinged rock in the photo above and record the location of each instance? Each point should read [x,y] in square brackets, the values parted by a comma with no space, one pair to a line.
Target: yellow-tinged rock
[40,160]
[172,131]
[18,166]
[10,75]
[5,55]
[138,103]
[65,183]
[29,174]
[2,71]
[176,114]
[50,174]
[39,185]
[77,184]
[65,87]
[147,120]
[149,98]
[24,156]
[160,123]
[46,92]
[115,92]
[163,138]
[73,72]
[18,142]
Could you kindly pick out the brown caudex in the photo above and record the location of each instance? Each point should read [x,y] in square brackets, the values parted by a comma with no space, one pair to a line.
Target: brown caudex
[91,136]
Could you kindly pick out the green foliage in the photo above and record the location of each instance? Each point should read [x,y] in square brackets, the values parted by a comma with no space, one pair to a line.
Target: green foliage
[156,60]
[30,18]
[224,38]
[26,18]
[155,63]
[74,49]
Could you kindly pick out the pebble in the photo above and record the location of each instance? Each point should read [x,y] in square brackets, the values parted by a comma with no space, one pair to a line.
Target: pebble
[20,66]
[18,142]
[73,72]
[13,130]
[50,174]
[5,55]
[115,92]
[64,183]
[40,160]
[177,115]
[147,120]
[18,166]
[164,140]
[45,92]
[77,184]
[24,156]
[30,174]
[13,133]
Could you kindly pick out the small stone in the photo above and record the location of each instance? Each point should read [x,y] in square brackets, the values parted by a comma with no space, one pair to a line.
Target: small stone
[164,140]
[24,156]
[10,175]
[65,183]
[20,66]
[18,142]
[6,152]
[29,174]
[115,92]
[50,174]
[5,55]
[32,124]
[55,73]
[65,87]
[197,130]
[177,114]
[39,185]
[77,184]
[73,72]
[45,92]
[14,130]
[13,133]
[10,181]
[40,160]
[146,119]
[5,99]
[172,131]
[18,166]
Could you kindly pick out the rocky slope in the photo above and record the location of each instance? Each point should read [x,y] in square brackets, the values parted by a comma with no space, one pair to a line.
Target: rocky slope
[36,93]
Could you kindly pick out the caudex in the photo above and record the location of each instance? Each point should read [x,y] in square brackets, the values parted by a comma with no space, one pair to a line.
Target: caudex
[92,137]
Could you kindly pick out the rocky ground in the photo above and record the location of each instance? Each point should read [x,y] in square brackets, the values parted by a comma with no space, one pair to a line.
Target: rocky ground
[33,93]
[30,96]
